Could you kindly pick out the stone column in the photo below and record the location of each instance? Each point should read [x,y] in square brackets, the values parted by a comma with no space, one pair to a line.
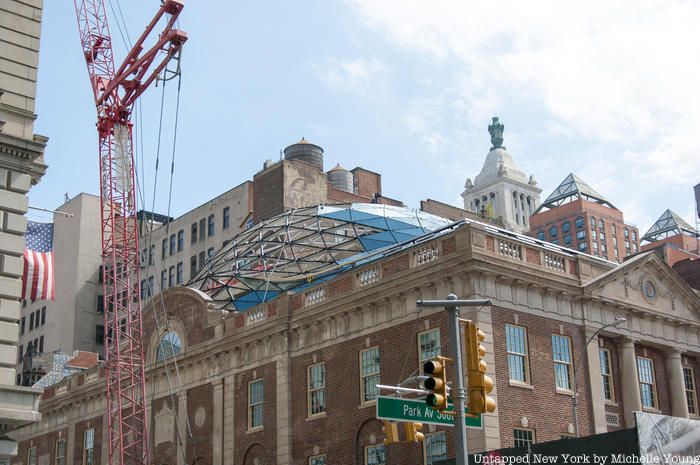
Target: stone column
[596,386]
[182,427]
[228,401]
[676,384]
[629,384]
[284,410]
[217,427]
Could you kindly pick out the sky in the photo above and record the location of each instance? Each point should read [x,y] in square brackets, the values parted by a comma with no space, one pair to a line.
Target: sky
[606,90]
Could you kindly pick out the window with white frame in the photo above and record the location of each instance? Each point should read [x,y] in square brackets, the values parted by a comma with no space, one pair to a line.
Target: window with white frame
[690,394]
[435,447]
[516,346]
[60,452]
[316,375]
[647,387]
[428,346]
[317,460]
[561,354]
[606,374]
[31,456]
[255,404]
[523,437]
[369,374]
[375,455]
[89,446]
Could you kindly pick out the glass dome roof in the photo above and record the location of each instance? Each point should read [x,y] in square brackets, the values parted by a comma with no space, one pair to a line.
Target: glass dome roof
[306,245]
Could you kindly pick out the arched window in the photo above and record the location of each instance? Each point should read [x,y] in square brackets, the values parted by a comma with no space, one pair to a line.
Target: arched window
[566,227]
[593,222]
[601,224]
[553,232]
[169,346]
[540,235]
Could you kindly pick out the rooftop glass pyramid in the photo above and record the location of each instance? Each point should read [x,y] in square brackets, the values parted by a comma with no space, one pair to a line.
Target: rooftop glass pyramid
[573,188]
[668,224]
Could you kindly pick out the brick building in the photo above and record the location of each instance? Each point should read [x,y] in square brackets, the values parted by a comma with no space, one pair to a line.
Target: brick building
[673,238]
[173,250]
[290,380]
[577,217]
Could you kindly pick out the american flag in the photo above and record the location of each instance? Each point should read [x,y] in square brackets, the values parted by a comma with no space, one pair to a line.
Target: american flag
[38,279]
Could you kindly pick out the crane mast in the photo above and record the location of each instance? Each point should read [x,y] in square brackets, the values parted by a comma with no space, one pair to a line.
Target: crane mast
[115,91]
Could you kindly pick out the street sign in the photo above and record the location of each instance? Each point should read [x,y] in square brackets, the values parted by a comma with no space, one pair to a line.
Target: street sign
[410,410]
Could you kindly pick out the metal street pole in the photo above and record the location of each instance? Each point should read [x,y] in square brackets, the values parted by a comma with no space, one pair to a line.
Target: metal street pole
[458,392]
[574,399]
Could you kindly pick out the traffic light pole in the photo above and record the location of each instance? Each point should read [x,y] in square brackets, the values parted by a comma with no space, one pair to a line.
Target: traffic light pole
[459,396]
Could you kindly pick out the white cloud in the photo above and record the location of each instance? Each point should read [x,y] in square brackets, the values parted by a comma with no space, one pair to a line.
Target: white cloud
[622,76]
[355,75]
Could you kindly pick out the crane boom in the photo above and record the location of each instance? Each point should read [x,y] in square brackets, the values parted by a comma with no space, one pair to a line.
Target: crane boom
[115,92]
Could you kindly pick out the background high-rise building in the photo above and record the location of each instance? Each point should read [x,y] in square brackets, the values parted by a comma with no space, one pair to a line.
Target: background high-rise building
[501,190]
[576,216]
[21,165]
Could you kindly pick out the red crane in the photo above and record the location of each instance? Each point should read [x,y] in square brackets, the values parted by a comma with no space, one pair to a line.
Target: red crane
[116,90]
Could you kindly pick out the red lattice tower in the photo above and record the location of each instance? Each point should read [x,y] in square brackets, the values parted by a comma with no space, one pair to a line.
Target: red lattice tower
[115,92]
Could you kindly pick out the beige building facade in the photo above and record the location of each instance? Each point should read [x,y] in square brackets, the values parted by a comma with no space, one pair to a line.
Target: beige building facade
[21,166]
[245,389]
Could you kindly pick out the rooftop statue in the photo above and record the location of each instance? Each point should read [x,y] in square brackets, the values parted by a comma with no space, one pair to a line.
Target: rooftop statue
[496,131]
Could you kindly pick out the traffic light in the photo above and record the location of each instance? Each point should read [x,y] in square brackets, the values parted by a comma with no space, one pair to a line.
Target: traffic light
[478,383]
[413,433]
[391,432]
[436,382]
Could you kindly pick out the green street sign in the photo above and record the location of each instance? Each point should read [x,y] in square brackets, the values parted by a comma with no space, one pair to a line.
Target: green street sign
[411,410]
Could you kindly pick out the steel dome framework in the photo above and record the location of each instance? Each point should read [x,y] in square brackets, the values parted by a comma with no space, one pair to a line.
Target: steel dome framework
[304,246]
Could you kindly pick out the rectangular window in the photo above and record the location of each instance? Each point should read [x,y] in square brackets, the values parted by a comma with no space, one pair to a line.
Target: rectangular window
[31,321]
[202,229]
[41,344]
[202,258]
[614,229]
[171,276]
[317,460]
[606,375]
[180,272]
[60,452]
[100,304]
[163,280]
[435,447]
[193,266]
[523,437]
[428,346]
[647,387]
[375,455]
[227,217]
[20,353]
[23,323]
[180,240]
[369,374]
[594,234]
[151,253]
[43,316]
[602,236]
[316,375]
[210,226]
[581,235]
[150,286]
[144,285]
[31,456]
[164,252]
[172,244]
[516,346]
[210,252]
[193,239]
[88,446]
[255,404]
[690,395]
[561,354]
[99,334]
